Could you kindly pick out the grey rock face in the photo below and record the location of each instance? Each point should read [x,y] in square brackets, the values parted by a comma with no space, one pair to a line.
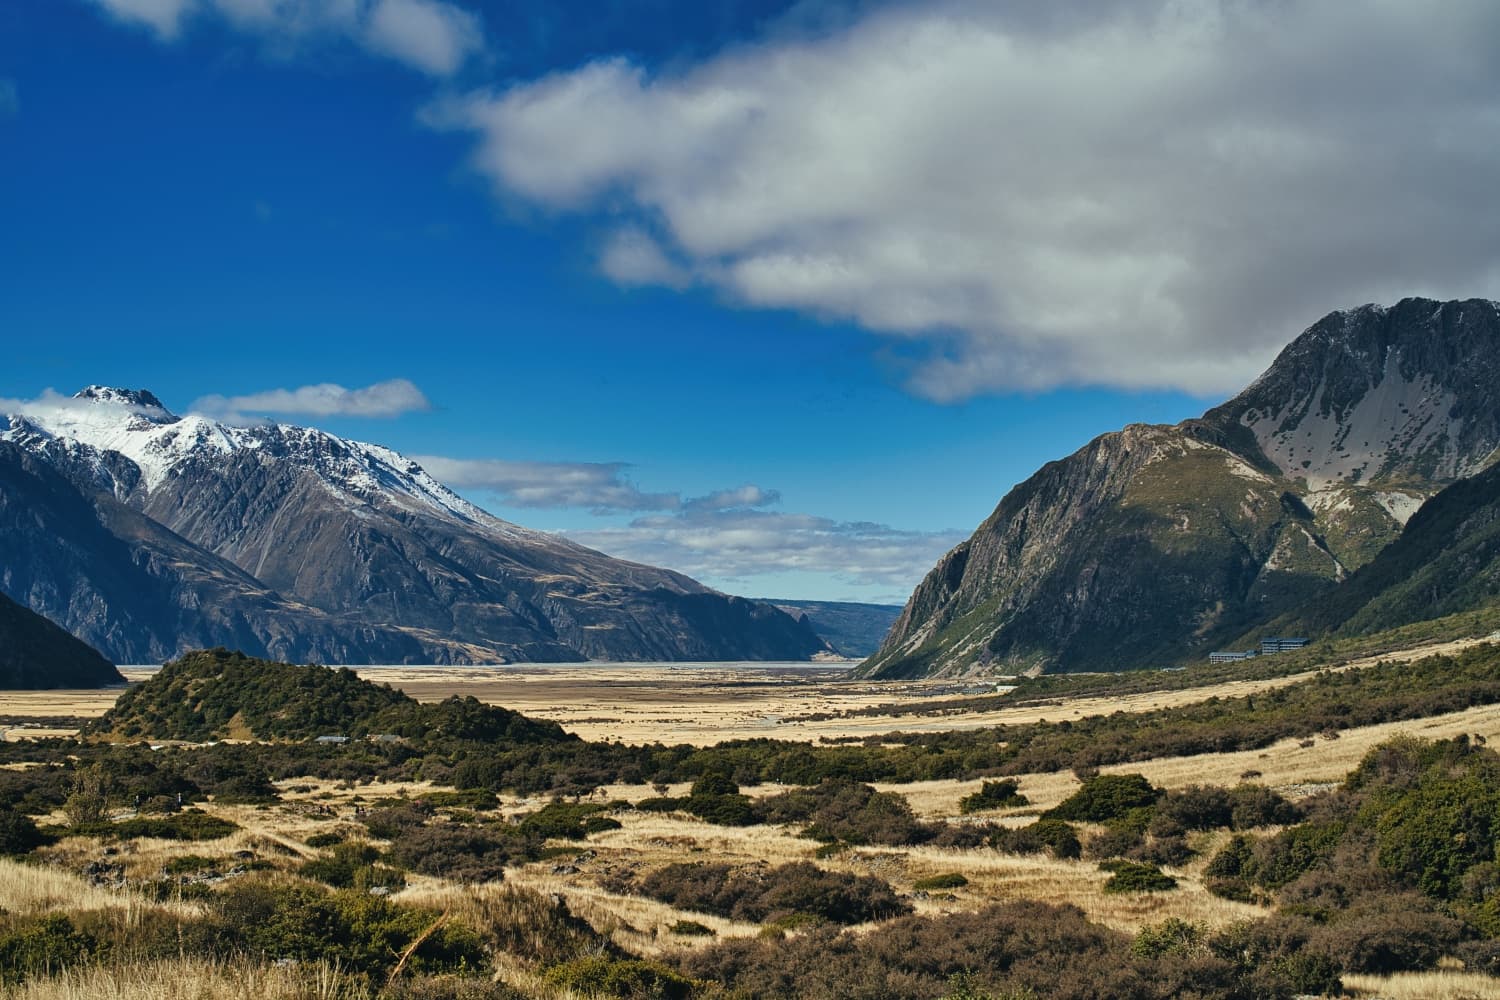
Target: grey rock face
[295,544]
[1151,544]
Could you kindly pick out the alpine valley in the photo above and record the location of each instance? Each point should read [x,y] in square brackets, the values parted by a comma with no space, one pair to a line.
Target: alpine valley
[146,534]
[1282,509]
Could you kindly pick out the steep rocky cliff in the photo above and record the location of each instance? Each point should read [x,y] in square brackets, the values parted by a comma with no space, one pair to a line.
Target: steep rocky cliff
[1154,543]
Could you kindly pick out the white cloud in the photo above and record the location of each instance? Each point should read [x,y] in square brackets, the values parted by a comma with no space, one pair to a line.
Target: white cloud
[601,487]
[383,399]
[435,37]
[597,486]
[740,544]
[428,35]
[632,257]
[162,16]
[1153,194]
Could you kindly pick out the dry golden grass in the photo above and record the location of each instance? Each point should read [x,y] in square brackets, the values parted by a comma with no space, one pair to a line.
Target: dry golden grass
[27,888]
[1443,984]
[192,979]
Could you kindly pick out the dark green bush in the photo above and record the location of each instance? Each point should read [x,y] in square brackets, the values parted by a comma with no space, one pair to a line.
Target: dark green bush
[352,866]
[41,945]
[1050,835]
[361,932]
[849,811]
[462,852]
[630,978]
[1106,797]
[947,880]
[797,889]
[190,824]
[569,820]
[1128,876]
[691,928]
[18,834]
[993,795]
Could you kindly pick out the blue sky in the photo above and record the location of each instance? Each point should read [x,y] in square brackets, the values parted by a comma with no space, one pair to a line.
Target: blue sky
[785,296]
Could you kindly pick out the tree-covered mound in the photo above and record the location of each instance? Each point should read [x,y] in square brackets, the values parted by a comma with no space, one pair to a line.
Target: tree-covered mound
[35,653]
[219,694]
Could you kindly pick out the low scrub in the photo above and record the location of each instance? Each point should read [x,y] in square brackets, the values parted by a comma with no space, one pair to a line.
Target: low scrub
[993,795]
[797,890]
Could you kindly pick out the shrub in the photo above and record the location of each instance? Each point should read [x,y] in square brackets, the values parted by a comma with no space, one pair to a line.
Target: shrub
[1128,876]
[43,945]
[1106,797]
[849,811]
[361,932]
[1172,936]
[1051,835]
[569,820]
[620,977]
[328,839]
[691,928]
[190,824]
[352,866]
[947,880]
[18,834]
[391,822]
[797,889]
[1257,805]
[1197,807]
[993,795]
[462,853]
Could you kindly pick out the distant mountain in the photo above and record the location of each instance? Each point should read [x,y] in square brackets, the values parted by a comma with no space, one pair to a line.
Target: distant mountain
[1154,543]
[149,534]
[851,629]
[34,653]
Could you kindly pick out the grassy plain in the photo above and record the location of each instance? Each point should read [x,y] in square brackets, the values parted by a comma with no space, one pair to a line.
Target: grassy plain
[702,706]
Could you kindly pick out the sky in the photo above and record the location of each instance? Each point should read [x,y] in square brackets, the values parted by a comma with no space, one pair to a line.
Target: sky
[784,295]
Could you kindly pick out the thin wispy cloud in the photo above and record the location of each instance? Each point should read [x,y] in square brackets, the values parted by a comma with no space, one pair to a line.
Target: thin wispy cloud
[10,98]
[740,544]
[1154,194]
[391,398]
[599,487]
[432,36]
[727,535]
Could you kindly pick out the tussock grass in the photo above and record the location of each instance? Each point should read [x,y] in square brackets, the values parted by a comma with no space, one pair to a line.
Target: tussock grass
[1442,984]
[192,979]
[35,889]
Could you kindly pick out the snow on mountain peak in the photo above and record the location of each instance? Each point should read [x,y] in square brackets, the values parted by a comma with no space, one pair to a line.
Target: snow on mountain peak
[136,424]
[143,401]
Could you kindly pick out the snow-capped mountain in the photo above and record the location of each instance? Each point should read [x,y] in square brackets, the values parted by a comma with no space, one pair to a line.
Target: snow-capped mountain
[353,552]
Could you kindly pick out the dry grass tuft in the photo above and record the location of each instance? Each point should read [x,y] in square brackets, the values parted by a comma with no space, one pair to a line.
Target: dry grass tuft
[192,979]
[1443,984]
[33,889]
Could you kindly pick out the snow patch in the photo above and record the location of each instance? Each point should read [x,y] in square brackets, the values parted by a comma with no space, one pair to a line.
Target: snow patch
[1400,506]
[1396,417]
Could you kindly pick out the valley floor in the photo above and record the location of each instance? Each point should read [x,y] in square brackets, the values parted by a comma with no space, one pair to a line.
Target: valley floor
[705,706]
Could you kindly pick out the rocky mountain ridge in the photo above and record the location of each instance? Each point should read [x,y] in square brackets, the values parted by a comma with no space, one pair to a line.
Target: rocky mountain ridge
[294,543]
[35,653]
[1152,543]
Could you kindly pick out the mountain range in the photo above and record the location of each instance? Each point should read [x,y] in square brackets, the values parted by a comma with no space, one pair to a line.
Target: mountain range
[1289,506]
[147,534]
